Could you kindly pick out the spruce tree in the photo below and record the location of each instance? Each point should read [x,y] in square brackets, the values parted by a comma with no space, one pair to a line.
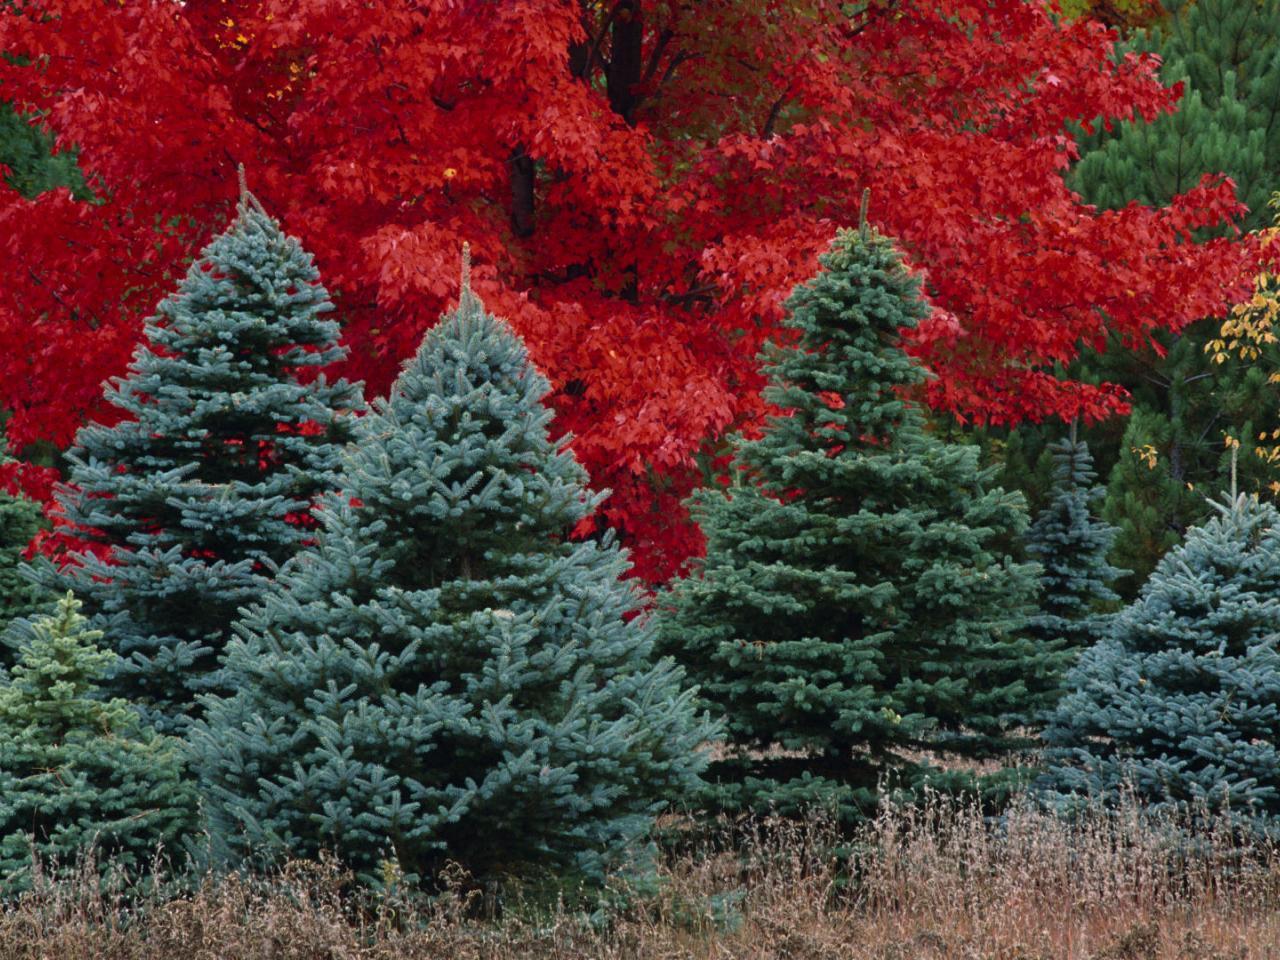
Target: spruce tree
[1180,704]
[1071,545]
[20,520]
[857,604]
[78,772]
[190,502]
[448,676]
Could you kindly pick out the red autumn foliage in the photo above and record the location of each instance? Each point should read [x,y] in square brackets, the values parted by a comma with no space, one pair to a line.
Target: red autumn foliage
[642,182]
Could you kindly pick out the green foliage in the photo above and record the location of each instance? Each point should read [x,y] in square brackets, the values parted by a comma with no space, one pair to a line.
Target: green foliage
[191,502]
[1180,704]
[1227,55]
[20,520]
[858,603]
[1224,53]
[1071,545]
[77,771]
[448,676]
[27,153]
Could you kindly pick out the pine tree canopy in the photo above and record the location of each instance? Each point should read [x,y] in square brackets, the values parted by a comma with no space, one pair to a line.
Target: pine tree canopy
[448,675]
[1180,704]
[190,502]
[76,771]
[1071,545]
[857,607]
[1224,52]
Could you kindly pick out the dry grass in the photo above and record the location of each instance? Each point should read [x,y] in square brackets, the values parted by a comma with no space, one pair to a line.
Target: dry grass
[932,883]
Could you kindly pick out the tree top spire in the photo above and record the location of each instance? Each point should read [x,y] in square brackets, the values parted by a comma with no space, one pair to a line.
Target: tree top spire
[247,201]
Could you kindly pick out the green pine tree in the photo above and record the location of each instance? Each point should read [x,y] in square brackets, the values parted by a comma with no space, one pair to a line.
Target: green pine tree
[857,604]
[76,771]
[1227,55]
[1179,705]
[1071,545]
[193,500]
[27,153]
[1224,52]
[448,675]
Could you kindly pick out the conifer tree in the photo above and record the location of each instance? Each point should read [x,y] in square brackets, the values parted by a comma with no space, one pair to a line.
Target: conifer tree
[20,520]
[1071,545]
[857,603]
[189,503]
[27,159]
[1226,53]
[76,771]
[448,675]
[1179,705]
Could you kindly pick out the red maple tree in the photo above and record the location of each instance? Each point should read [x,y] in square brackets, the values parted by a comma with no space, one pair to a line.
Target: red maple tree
[642,182]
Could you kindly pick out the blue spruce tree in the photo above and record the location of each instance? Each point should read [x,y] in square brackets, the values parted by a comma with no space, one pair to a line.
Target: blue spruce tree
[76,771]
[1071,545]
[1180,704]
[448,676]
[858,609]
[20,520]
[206,486]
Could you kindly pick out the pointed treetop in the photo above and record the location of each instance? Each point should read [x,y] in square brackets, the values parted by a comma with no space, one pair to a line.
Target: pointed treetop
[862,212]
[466,295]
[247,200]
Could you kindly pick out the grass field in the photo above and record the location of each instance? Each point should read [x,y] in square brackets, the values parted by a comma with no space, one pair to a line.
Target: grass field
[937,882]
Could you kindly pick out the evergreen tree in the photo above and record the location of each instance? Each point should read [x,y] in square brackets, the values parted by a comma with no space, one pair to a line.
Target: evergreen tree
[28,159]
[189,503]
[20,520]
[448,676]
[76,771]
[1226,53]
[857,603]
[1071,545]
[1180,703]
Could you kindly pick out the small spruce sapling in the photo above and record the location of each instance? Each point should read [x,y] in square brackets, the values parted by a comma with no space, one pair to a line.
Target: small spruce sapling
[1071,545]
[78,773]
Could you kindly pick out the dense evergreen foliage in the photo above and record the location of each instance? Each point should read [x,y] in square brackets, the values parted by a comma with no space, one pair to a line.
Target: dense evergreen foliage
[448,676]
[1180,703]
[20,520]
[188,503]
[1071,545]
[27,155]
[77,771]
[857,603]
[1226,53]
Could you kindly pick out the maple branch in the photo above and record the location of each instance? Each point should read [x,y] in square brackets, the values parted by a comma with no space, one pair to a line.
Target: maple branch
[523,180]
[705,293]
[767,131]
[659,48]
[593,51]
[623,74]
[676,61]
